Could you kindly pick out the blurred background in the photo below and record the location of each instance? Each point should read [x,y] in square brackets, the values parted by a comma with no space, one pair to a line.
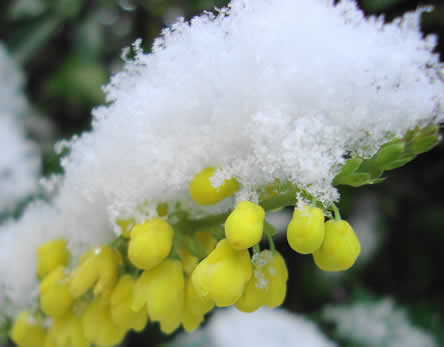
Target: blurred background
[68,49]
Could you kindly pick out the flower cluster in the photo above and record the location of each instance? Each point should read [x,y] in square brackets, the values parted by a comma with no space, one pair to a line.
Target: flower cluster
[173,275]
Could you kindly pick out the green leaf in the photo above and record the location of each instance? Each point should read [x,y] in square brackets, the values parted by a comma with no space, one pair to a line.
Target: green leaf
[388,154]
[217,232]
[371,167]
[355,180]
[350,166]
[399,163]
[393,154]
[422,144]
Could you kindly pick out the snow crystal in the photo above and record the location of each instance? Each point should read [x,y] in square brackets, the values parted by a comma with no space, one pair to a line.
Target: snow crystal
[377,324]
[267,89]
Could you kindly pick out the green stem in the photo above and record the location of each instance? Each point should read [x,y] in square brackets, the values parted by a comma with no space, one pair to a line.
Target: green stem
[174,254]
[269,231]
[271,243]
[207,222]
[281,199]
[335,211]
[194,246]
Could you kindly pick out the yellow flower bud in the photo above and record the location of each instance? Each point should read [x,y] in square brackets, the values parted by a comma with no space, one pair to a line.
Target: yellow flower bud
[276,273]
[195,307]
[190,261]
[340,248]
[78,338]
[140,290]
[171,323]
[50,255]
[150,243]
[305,232]
[55,295]
[268,284]
[244,226]
[222,275]
[204,193]
[67,331]
[191,321]
[99,327]
[27,331]
[194,302]
[161,289]
[99,268]
[253,297]
[121,300]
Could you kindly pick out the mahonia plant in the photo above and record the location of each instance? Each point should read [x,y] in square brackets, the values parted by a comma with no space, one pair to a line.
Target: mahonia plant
[161,211]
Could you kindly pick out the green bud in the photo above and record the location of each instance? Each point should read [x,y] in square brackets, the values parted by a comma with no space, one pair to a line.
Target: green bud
[371,167]
[350,166]
[354,180]
[388,154]
[421,144]
[430,130]
[404,159]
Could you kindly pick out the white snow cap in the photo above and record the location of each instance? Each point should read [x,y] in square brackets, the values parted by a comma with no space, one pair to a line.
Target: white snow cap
[19,160]
[265,89]
[377,324]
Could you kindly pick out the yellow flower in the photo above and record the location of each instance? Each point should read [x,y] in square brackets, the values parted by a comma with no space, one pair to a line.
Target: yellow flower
[253,297]
[244,226]
[67,331]
[98,325]
[268,285]
[161,289]
[121,300]
[204,193]
[222,275]
[27,331]
[195,307]
[55,295]
[150,243]
[340,248]
[50,255]
[170,323]
[97,268]
[305,232]
[191,321]
[189,260]
[276,273]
